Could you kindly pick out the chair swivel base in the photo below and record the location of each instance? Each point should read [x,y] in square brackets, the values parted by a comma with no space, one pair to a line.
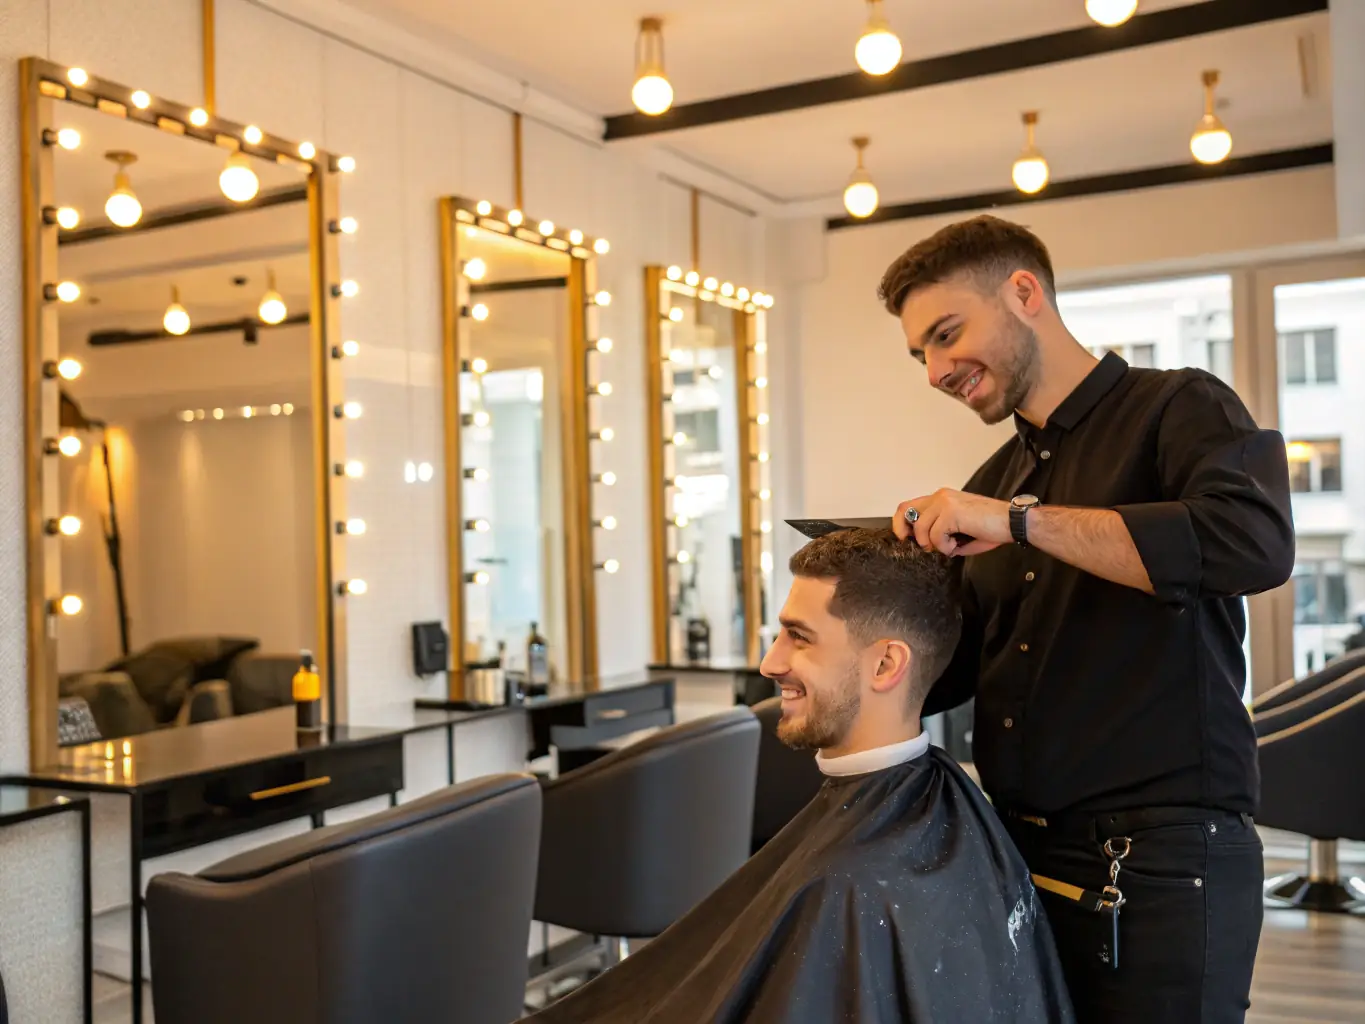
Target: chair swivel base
[1327,896]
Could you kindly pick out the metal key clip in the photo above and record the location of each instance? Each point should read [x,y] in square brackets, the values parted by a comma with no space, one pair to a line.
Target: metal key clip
[1116,849]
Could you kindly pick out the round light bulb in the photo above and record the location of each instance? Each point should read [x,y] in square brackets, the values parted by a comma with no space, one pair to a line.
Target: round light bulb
[761,382]
[575,237]
[122,207]
[68,217]
[611,566]
[860,200]
[684,557]
[710,284]
[356,587]
[349,289]
[141,99]
[482,418]
[765,561]
[479,311]
[680,438]
[1030,173]
[77,77]
[237,180]
[68,291]
[218,414]
[481,525]
[760,347]
[604,345]
[483,208]
[742,294]
[604,388]
[681,521]
[70,605]
[355,469]
[1110,12]
[480,474]
[765,527]
[69,526]
[68,368]
[199,117]
[276,409]
[547,227]
[307,150]
[475,269]
[1211,142]
[355,527]
[272,309]
[608,522]
[692,279]
[606,434]
[515,217]
[479,365]
[764,494]
[253,135]
[609,479]
[248,412]
[603,298]
[727,289]
[68,138]
[350,349]
[346,164]
[176,320]
[674,273]
[652,94]
[352,410]
[601,247]
[348,225]
[479,578]
[70,446]
[675,314]
[878,51]
[762,419]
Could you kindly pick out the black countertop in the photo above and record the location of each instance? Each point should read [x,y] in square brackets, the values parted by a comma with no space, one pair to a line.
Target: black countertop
[20,802]
[727,666]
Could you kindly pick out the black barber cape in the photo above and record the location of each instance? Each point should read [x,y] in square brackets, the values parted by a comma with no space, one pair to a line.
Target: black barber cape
[895,896]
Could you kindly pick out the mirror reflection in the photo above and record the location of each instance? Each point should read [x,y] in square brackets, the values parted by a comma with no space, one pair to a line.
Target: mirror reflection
[515,334]
[187,487]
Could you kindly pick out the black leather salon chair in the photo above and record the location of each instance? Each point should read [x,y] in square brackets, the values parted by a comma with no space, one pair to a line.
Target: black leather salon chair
[1293,689]
[634,840]
[416,914]
[1312,783]
[787,779]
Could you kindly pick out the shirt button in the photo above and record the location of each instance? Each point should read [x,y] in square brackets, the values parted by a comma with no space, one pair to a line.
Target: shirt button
[1009,723]
[1045,455]
[1024,648]
[1028,577]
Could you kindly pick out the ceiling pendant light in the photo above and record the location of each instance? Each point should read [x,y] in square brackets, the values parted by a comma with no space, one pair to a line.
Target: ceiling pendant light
[177,318]
[122,207]
[1211,142]
[238,181]
[860,195]
[878,51]
[1030,170]
[1110,12]
[651,93]
[272,309]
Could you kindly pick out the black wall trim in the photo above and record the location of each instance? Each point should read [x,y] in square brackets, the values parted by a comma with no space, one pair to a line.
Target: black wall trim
[249,327]
[1122,181]
[172,216]
[1074,44]
[529,284]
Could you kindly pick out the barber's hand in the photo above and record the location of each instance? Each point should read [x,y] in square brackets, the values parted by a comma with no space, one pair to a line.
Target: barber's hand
[947,512]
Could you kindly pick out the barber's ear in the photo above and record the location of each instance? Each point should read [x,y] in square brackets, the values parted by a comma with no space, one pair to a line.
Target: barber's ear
[893,665]
[1028,291]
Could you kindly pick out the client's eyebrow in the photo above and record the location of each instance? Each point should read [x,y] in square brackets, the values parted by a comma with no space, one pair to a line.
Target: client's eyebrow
[796,624]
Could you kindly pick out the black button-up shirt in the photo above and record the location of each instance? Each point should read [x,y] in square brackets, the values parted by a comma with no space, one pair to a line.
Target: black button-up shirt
[1095,696]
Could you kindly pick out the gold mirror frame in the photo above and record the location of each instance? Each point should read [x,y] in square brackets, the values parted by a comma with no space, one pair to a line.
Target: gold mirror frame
[44,85]
[752,411]
[576,431]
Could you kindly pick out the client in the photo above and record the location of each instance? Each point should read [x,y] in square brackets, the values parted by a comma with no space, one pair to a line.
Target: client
[895,896]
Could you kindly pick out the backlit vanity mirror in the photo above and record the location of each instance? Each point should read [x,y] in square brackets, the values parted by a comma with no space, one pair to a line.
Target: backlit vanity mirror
[185,466]
[524,365]
[711,498]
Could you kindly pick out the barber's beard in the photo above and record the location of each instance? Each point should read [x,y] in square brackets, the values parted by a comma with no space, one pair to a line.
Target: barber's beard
[829,715]
[1016,372]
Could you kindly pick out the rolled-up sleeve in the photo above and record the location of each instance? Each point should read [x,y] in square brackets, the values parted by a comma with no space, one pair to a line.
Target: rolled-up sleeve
[1226,527]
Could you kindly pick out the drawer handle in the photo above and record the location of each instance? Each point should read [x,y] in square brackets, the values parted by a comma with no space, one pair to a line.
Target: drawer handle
[293,787]
[611,714]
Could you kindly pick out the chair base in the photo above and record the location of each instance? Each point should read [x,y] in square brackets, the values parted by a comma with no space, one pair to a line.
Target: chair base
[1336,896]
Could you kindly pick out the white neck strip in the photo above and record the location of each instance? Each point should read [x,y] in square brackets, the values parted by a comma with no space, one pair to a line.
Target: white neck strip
[876,759]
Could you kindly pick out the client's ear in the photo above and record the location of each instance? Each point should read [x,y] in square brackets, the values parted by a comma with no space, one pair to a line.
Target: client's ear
[893,665]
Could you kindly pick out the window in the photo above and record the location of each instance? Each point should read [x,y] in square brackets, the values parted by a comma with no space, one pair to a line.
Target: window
[1138,354]
[1310,357]
[1320,594]
[1314,466]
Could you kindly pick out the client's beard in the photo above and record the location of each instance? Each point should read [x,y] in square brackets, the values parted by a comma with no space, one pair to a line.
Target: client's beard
[830,714]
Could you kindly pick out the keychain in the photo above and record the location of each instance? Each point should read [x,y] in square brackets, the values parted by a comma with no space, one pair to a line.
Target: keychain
[1115,849]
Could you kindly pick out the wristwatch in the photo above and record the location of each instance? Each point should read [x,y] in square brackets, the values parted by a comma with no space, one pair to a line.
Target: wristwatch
[1019,506]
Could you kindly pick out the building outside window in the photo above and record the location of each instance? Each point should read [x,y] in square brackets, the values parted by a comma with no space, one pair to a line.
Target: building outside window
[1314,466]
[1309,357]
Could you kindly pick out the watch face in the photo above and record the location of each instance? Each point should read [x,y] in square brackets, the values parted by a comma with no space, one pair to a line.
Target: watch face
[1023,501]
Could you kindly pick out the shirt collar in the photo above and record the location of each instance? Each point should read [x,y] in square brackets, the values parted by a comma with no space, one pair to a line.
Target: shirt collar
[876,759]
[1087,394]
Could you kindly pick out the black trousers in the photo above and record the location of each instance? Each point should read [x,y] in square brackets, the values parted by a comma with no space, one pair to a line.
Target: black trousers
[1190,925]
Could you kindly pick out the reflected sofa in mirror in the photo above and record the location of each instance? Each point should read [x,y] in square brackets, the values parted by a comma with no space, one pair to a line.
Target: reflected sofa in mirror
[181,437]
[523,367]
[711,497]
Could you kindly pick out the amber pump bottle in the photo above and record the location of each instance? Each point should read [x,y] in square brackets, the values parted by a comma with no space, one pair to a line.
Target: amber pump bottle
[307,693]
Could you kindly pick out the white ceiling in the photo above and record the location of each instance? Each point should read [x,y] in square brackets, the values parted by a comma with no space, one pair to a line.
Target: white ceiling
[1120,111]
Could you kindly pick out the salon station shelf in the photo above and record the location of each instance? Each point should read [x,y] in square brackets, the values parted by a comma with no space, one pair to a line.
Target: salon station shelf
[750,685]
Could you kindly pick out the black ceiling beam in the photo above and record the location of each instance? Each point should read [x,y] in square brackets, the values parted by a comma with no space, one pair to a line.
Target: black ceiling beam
[1121,181]
[1074,44]
[172,216]
[248,326]
[528,284]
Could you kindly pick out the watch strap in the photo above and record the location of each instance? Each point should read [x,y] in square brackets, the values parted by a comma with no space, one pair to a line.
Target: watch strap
[1019,524]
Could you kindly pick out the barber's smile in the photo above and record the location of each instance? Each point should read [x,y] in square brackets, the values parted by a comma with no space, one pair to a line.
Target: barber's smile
[966,383]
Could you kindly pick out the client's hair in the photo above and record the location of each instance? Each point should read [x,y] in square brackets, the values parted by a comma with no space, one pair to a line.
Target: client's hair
[886,587]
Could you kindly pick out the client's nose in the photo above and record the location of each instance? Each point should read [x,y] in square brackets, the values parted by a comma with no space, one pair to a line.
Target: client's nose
[773,665]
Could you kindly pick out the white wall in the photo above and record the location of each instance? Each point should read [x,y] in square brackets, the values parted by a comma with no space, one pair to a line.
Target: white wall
[874,434]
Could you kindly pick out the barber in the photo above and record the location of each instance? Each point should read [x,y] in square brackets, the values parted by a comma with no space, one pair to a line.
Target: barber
[1108,544]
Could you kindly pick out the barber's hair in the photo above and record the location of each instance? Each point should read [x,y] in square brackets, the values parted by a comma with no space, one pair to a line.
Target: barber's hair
[889,588]
[985,248]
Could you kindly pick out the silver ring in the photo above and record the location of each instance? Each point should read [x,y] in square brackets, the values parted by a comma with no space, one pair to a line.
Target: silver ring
[911,516]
